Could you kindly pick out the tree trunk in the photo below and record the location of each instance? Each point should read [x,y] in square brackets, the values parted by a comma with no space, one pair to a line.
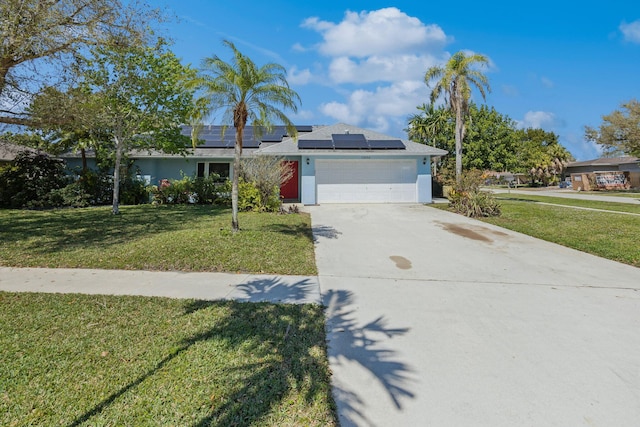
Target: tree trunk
[236,178]
[459,137]
[83,153]
[116,177]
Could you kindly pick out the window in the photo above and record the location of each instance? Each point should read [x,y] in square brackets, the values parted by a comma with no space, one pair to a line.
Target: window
[220,169]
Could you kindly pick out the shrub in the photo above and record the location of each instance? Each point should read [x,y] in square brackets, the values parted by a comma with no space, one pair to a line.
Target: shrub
[267,174]
[249,197]
[28,180]
[467,198]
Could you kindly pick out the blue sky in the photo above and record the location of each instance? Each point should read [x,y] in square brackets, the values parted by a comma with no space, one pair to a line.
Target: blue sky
[554,65]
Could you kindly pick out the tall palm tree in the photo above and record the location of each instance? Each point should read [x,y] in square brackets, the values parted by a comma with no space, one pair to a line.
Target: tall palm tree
[246,93]
[455,81]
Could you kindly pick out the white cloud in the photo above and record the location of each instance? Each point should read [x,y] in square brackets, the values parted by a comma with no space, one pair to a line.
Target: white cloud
[297,47]
[383,53]
[390,68]
[546,82]
[631,31]
[301,77]
[383,31]
[377,108]
[302,115]
[540,120]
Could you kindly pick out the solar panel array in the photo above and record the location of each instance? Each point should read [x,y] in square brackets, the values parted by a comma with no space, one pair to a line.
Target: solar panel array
[212,136]
[353,141]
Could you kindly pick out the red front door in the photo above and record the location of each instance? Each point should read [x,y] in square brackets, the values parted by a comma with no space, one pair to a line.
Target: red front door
[289,190]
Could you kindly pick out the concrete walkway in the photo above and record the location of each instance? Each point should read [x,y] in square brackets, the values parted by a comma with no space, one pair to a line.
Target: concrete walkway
[438,320]
[207,286]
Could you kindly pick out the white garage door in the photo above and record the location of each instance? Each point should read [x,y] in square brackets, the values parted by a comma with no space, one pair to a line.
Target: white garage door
[366,181]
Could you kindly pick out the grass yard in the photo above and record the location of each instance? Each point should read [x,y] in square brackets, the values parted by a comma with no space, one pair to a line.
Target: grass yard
[80,360]
[146,237]
[610,206]
[608,235]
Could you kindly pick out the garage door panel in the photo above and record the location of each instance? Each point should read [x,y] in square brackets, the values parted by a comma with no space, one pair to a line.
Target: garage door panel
[370,181]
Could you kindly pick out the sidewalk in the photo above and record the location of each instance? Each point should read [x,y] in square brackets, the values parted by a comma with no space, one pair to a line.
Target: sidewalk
[207,286]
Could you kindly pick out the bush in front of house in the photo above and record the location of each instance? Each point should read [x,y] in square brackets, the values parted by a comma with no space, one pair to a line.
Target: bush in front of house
[29,180]
[210,190]
[468,199]
[38,181]
[203,191]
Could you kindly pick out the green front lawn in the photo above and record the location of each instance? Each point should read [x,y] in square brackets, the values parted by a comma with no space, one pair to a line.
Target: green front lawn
[608,235]
[594,204]
[77,360]
[145,237]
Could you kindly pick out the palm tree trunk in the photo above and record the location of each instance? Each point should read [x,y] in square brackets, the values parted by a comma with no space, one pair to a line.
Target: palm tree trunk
[459,136]
[236,178]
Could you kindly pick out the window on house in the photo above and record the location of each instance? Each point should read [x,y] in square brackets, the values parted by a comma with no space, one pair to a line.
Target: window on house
[206,169]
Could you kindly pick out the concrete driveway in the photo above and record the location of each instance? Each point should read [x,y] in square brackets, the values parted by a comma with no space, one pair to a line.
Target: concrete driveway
[438,320]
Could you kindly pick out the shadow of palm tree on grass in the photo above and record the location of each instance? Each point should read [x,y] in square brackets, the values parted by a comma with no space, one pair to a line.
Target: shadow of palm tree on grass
[273,351]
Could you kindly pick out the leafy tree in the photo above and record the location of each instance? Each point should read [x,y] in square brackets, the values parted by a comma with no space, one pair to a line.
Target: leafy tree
[246,94]
[490,143]
[540,155]
[65,120]
[455,81]
[41,39]
[139,97]
[619,132]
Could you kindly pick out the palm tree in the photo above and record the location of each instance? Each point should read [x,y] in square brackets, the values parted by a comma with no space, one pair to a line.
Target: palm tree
[429,126]
[455,81]
[246,93]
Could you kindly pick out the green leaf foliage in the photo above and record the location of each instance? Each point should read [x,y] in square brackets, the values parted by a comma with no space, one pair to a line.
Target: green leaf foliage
[619,132]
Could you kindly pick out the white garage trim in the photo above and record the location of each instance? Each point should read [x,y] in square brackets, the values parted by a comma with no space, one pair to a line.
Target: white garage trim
[366,181]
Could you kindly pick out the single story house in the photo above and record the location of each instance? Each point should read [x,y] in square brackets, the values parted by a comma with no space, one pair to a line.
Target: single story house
[604,173]
[332,164]
[9,151]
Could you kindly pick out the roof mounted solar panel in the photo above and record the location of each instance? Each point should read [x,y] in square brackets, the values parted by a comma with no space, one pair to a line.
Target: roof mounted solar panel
[249,143]
[349,141]
[315,144]
[304,128]
[386,144]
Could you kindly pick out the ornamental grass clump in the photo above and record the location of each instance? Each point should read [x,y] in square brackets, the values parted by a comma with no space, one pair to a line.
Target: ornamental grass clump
[468,199]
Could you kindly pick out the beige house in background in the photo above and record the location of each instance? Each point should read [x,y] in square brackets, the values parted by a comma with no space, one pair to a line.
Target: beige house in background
[608,173]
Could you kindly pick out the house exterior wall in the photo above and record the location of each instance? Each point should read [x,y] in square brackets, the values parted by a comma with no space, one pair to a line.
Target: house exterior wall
[157,169]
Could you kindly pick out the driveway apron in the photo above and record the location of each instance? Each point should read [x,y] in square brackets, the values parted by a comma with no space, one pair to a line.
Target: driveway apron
[438,320]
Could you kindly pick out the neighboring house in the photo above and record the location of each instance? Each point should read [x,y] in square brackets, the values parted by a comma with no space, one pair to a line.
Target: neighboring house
[332,164]
[604,173]
[9,151]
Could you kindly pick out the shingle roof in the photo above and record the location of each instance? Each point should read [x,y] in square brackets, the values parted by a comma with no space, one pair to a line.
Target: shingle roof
[8,150]
[289,146]
[605,161]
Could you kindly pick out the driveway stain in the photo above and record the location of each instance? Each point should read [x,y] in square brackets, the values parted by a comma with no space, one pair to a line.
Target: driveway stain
[401,262]
[465,232]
